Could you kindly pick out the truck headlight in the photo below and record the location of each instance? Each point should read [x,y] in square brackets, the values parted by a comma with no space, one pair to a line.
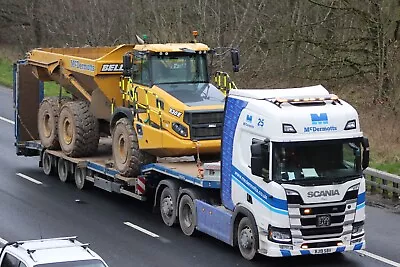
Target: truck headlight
[358,229]
[279,235]
[180,129]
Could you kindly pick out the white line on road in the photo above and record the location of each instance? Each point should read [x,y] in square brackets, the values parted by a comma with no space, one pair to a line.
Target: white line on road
[7,120]
[379,258]
[29,178]
[3,241]
[147,232]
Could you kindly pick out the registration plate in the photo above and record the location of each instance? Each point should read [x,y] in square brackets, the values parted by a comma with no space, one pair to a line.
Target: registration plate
[322,250]
[323,220]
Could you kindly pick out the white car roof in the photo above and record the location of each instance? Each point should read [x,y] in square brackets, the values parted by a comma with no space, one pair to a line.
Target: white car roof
[54,250]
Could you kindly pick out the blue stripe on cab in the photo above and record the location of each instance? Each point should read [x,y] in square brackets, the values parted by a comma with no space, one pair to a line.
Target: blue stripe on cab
[285,253]
[245,182]
[361,198]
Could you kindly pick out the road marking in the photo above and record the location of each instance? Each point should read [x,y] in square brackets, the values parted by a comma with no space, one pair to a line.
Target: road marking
[7,120]
[147,232]
[3,241]
[379,258]
[29,178]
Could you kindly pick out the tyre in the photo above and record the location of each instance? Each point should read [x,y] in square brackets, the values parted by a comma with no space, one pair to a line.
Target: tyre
[48,121]
[168,206]
[128,159]
[80,177]
[247,238]
[78,129]
[48,165]
[63,170]
[187,215]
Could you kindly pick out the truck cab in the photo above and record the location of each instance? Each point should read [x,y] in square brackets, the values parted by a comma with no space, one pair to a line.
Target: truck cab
[293,159]
[54,252]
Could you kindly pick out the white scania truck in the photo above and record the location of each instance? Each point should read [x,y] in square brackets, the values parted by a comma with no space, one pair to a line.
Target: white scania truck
[289,181]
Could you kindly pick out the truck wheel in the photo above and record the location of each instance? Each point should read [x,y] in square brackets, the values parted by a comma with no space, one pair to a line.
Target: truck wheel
[168,206]
[127,157]
[247,239]
[80,177]
[48,121]
[187,215]
[78,129]
[63,170]
[47,162]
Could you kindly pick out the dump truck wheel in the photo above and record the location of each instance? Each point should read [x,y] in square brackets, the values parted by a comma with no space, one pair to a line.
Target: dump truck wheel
[48,121]
[128,159]
[78,129]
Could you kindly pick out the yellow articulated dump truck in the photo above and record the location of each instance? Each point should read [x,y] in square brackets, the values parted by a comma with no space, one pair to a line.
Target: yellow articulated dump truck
[155,100]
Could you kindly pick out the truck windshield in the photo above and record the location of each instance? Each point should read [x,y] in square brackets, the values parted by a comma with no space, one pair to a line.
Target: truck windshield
[317,162]
[179,68]
[82,263]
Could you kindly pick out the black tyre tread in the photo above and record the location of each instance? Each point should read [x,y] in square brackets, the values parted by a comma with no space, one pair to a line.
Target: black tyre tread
[86,129]
[138,157]
[55,106]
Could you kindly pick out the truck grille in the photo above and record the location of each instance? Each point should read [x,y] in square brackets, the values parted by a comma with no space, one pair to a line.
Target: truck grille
[205,125]
[337,211]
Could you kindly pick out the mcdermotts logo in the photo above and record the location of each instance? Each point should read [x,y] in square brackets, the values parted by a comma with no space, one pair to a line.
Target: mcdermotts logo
[320,124]
[248,121]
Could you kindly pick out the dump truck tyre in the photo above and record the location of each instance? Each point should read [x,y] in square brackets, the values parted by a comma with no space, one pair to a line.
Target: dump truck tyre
[78,129]
[128,159]
[48,121]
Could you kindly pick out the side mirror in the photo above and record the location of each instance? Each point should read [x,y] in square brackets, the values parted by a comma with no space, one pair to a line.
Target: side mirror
[127,64]
[235,59]
[365,154]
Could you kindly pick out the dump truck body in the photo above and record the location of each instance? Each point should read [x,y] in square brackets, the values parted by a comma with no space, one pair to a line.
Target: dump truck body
[181,114]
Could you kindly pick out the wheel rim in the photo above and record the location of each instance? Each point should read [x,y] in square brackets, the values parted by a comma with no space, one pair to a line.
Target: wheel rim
[167,207]
[122,150]
[187,216]
[47,125]
[67,131]
[246,240]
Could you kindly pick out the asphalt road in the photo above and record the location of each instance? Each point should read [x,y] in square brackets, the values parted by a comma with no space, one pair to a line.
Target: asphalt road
[52,209]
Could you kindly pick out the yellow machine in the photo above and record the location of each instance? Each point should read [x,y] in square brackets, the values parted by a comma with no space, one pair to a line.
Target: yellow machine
[156,100]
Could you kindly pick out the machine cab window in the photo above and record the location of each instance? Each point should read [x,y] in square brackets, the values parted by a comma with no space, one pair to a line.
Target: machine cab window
[141,74]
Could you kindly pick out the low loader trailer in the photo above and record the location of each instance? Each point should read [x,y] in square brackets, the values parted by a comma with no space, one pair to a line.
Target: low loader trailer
[289,180]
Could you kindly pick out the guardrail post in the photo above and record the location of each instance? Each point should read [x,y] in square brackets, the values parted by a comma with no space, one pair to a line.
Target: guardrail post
[385,192]
[395,196]
[373,187]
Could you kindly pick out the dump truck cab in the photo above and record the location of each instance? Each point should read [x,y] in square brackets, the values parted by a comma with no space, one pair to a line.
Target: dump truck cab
[173,80]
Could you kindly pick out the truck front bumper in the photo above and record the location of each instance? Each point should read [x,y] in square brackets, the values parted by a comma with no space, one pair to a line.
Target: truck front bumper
[279,250]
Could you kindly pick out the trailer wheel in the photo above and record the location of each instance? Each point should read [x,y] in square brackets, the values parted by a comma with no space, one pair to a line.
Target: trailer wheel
[78,129]
[48,166]
[168,206]
[80,177]
[63,170]
[187,215]
[127,156]
[247,239]
[48,121]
